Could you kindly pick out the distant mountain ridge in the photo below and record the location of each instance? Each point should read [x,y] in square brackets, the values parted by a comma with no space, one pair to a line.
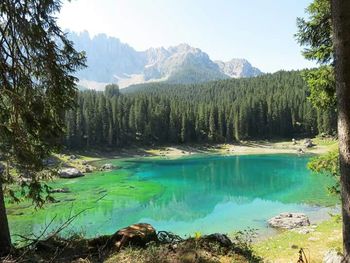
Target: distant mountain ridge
[238,68]
[111,61]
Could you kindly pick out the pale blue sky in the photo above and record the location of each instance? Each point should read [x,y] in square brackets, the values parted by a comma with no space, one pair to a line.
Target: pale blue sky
[258,30]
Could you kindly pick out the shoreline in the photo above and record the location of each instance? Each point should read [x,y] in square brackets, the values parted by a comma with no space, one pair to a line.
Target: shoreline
[170,152]
[271,246]
[242,148]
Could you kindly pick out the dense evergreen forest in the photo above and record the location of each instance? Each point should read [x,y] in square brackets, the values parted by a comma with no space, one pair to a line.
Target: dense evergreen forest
[264,107]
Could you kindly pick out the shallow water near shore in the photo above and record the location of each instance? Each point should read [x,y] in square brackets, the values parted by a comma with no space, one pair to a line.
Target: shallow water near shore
[203,194]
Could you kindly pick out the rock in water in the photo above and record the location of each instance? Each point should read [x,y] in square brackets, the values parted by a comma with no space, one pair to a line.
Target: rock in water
[289,220]
[332,256]
[137,235]
[88,168]
[70,173]
[60,190]
[107,166]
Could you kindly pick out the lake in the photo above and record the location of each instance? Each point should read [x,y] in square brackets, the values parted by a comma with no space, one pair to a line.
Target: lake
[203,194]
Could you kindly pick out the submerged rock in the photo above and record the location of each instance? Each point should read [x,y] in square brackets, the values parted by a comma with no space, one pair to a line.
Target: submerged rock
[60,190]
[70,173]
[107,166]
[289,220]
[69,200]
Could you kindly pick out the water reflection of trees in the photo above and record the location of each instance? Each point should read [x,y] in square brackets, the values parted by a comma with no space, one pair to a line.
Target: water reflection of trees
[193,188]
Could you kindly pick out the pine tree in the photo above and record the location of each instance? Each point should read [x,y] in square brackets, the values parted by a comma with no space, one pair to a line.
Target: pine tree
[37,87]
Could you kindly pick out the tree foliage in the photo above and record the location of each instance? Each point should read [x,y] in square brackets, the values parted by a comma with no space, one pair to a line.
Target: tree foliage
[37,85]
[315,32]
[327,164]
[321,83]
[315,35]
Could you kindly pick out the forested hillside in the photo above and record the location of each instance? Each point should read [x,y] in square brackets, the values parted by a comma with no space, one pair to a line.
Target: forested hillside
[268,106]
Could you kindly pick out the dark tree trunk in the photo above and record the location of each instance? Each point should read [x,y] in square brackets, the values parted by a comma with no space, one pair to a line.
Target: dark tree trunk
[5,240]
[341,28]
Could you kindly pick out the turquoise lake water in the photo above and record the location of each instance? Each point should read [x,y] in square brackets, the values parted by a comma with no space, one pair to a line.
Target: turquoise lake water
[199,194]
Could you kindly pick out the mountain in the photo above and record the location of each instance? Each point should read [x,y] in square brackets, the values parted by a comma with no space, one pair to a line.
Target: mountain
[181,64]
[111,61]
[238,68]
[107,57]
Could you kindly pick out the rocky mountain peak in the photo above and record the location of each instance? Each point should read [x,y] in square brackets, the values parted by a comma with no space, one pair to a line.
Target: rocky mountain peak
[238,68]
[111,61]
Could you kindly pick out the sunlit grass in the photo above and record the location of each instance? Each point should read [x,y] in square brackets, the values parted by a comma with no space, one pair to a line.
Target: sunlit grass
[285,246]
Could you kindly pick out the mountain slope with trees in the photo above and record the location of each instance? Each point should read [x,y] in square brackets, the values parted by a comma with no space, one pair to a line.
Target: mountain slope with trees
[264,107]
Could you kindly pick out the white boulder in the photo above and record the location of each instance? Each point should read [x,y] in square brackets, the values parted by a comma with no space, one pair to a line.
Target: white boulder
[289,220]
[70,173]
[333,256]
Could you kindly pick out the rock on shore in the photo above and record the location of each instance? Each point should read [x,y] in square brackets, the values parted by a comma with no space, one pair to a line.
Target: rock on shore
[289,220]
[135,235]
[333,256]
[70,173]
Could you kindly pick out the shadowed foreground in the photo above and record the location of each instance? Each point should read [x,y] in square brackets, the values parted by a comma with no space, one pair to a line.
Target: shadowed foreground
[138,243]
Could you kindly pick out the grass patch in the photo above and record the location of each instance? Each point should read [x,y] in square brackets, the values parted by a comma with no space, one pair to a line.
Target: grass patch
[321,141]
[285,246]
